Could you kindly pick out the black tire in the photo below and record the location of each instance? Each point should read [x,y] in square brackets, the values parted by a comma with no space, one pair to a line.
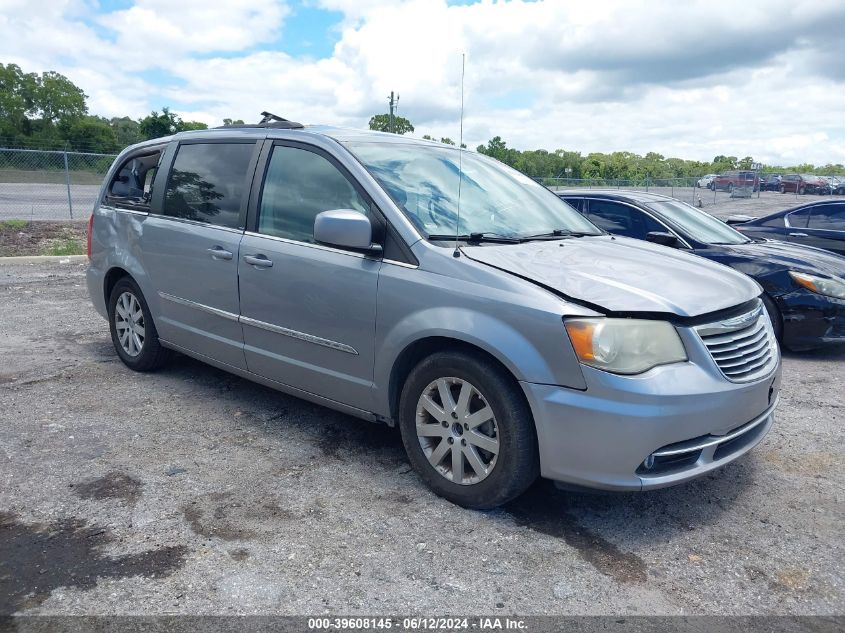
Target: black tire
[730,187]
[151,355]
[775,316]
[801,191]
[782,189]
[517,463]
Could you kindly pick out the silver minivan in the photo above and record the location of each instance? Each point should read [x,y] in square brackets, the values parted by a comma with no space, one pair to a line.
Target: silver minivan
[420,285]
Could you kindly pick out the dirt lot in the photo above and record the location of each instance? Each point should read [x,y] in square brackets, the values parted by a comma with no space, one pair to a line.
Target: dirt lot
[193,491]
[21,237]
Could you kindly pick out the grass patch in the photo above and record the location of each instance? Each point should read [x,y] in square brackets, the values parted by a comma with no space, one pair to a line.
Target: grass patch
[14,224]
[65,247]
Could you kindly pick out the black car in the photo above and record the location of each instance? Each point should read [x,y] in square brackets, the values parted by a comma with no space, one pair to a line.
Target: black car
[819,224]
[804,287]
[771,182]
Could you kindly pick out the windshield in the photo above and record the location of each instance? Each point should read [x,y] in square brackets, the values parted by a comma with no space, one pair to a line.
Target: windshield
[495,199]
[699,225]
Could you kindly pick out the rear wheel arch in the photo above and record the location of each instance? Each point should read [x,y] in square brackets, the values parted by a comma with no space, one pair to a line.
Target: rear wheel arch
[111,278]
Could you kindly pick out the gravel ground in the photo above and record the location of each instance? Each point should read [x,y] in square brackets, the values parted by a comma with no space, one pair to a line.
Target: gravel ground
[192,491]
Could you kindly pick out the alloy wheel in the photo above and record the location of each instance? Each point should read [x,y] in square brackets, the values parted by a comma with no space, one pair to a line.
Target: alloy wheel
[457,430]
[129,323]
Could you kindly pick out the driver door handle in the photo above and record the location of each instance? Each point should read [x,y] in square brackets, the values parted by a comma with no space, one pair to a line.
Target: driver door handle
[259,261]
[220,253]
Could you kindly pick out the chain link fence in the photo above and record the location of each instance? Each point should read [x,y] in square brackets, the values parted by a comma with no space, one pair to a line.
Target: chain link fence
[50,185]
[689,190]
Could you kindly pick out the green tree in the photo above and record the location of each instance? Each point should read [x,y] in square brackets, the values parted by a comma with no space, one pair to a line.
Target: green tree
[91,133]
[157,124]
[127,131]
[192,125]
[17,99]
[229,122]
[447,140]
[381,123]
[58,99]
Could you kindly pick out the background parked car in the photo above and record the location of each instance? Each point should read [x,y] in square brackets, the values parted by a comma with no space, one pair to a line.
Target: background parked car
[706,182]
[771,182]
[801,184]
[819,224]
[804,287]
[731,180]
[835,184]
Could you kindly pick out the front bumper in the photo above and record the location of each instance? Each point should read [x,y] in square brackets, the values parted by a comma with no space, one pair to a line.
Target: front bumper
[664,427]
[811,319]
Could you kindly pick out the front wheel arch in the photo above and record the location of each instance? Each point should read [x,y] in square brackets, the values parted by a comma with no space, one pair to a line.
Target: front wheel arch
[420,349]
[775,316]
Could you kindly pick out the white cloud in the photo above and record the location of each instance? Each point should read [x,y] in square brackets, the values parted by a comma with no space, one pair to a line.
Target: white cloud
[691,80]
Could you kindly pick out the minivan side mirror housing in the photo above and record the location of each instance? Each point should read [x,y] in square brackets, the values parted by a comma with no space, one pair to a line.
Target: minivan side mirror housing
[345,228]
[663,238]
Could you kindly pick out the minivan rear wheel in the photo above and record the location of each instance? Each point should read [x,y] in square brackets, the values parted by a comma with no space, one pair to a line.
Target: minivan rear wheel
[467,430]
[133,332]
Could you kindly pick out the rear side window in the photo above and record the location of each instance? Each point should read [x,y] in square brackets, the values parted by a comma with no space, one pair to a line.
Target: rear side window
[299,185]
[829,216]
[208,182]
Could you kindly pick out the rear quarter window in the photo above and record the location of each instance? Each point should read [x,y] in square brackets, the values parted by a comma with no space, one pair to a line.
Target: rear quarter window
[131,185]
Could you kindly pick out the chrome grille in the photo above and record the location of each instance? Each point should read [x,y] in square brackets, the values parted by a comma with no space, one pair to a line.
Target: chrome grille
[743,347]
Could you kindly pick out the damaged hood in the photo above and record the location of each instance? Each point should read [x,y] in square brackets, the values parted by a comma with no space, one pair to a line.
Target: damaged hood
[619,274]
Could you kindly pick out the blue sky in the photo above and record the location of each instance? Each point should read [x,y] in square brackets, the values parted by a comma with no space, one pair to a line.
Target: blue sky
[682,79]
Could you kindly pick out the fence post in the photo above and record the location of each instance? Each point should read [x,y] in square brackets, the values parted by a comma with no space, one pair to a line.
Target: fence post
[67,182]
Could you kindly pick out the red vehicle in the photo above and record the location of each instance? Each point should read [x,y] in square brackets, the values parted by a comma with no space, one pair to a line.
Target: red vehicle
[802,183]
[731,180]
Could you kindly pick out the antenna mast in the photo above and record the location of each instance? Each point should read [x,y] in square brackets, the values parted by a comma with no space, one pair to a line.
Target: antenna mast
[457,252]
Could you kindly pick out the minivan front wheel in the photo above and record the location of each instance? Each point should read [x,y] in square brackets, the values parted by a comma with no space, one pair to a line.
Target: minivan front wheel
[468,431]
[133,332]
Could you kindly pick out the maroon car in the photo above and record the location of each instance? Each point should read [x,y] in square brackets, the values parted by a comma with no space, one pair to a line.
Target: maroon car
[802,183]
[731,180]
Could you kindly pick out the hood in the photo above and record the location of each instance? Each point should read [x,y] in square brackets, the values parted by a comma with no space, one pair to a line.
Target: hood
[790,257]
[619,274]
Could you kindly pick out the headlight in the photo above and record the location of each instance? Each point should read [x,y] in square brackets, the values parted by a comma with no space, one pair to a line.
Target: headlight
[821,285]
[625,346]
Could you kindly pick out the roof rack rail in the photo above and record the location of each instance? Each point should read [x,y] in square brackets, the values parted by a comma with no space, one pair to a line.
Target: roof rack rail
[268,119]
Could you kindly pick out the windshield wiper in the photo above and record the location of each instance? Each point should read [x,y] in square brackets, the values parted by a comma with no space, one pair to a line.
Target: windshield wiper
[559,233]
[494,238]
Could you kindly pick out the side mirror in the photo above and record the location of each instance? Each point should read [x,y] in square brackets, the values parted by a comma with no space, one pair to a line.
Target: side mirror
[664,239]
[345,228]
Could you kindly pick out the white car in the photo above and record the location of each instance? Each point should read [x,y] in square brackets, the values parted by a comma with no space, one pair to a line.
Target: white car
[706,181]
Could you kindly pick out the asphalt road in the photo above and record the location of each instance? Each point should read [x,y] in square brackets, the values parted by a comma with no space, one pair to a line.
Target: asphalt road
[36,201]
[193,491]
[45,201]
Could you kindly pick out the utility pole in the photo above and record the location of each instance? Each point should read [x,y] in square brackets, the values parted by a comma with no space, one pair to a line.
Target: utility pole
[394,104]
